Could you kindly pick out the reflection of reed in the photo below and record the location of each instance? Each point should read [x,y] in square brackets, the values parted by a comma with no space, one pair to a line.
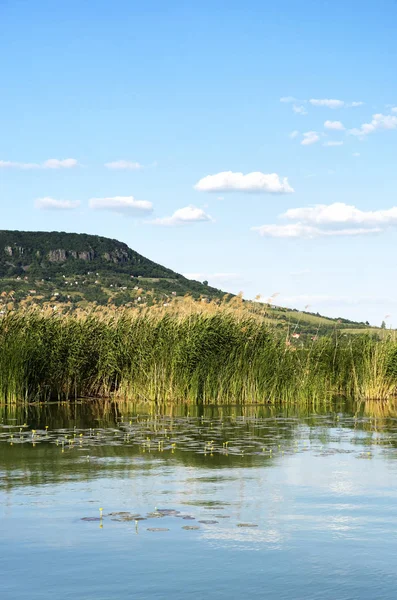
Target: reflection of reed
[102,438]
[385,409]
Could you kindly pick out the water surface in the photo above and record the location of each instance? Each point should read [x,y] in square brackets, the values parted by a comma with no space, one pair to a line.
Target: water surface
[234,502]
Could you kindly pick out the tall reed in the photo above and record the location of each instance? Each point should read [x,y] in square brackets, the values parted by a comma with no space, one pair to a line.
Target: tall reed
[197,358]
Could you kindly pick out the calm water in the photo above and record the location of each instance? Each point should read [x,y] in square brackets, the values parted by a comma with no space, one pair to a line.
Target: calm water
[244,503]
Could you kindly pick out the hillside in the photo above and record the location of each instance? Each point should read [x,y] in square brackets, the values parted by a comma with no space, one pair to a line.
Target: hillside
[79,267]
[67,271]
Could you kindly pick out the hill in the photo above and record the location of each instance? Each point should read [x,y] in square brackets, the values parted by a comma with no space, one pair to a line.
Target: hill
[70,270]
[79,267]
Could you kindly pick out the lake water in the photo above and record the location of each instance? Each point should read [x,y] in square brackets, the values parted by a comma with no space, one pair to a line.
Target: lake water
[198,503]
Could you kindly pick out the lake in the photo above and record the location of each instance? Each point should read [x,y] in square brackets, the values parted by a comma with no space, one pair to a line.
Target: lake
[105,501]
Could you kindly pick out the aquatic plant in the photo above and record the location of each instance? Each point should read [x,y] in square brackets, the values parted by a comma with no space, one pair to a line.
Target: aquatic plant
[197,358]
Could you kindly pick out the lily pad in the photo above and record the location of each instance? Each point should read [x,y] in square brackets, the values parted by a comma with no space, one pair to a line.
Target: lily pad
[208,522]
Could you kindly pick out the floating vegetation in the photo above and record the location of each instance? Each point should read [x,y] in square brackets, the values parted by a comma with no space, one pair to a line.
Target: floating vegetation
[247,525]
[157,529]
[168,511]
[191,527]
[208,522]
[126,517]
[199,359]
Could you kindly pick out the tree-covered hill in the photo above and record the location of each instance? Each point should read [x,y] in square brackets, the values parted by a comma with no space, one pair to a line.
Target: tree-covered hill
[96,268]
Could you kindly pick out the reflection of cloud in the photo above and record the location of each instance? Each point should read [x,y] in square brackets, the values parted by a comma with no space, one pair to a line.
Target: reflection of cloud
[342,523]
[253,535]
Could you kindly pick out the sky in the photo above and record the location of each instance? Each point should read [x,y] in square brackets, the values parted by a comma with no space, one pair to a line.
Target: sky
[251,144]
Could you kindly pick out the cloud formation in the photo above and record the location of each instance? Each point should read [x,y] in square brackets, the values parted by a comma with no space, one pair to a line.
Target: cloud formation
[288,99]
[341,213]
[333,143]
[257,182]
[48,203]
[124,165]
[309,138]
[184,216]
[379,122]
[332,103]
[324,220]
[334,125]
[51,163]
[299,109]
[300,230]
[126,205]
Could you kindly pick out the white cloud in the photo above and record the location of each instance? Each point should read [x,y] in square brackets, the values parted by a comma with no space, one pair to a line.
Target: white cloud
[394,109]
[294,134]
[227,181]
[329,103]
[287,99]
[331,220]
[334,125]
[300,230]
[379,122]
[52,204]
[299,110]
[121,204]
[184,216]
[340,213]
[54,163]
[356,154]
[355,104]
[333,143]
[310,137]
[124,165]
[51,163]
[9,164]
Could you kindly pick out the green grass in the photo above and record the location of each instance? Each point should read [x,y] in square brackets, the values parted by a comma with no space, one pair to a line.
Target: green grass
[198,359]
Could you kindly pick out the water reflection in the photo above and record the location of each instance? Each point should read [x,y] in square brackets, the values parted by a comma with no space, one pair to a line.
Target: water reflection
[44,443]
[287,495]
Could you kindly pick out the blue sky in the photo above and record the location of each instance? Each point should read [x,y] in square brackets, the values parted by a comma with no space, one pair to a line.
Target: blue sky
[113,114]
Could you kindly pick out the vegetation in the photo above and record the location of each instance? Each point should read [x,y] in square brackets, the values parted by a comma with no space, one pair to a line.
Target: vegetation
[196,358]
[84,315]
[70,268]
[74,273]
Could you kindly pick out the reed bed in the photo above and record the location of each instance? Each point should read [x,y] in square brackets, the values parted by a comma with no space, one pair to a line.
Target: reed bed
[196,358]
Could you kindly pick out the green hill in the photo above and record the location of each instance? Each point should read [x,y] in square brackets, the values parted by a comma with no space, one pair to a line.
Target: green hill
[78,267]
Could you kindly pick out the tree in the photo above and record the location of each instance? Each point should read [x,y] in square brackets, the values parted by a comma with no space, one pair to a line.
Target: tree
[383,326]
[205,282]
